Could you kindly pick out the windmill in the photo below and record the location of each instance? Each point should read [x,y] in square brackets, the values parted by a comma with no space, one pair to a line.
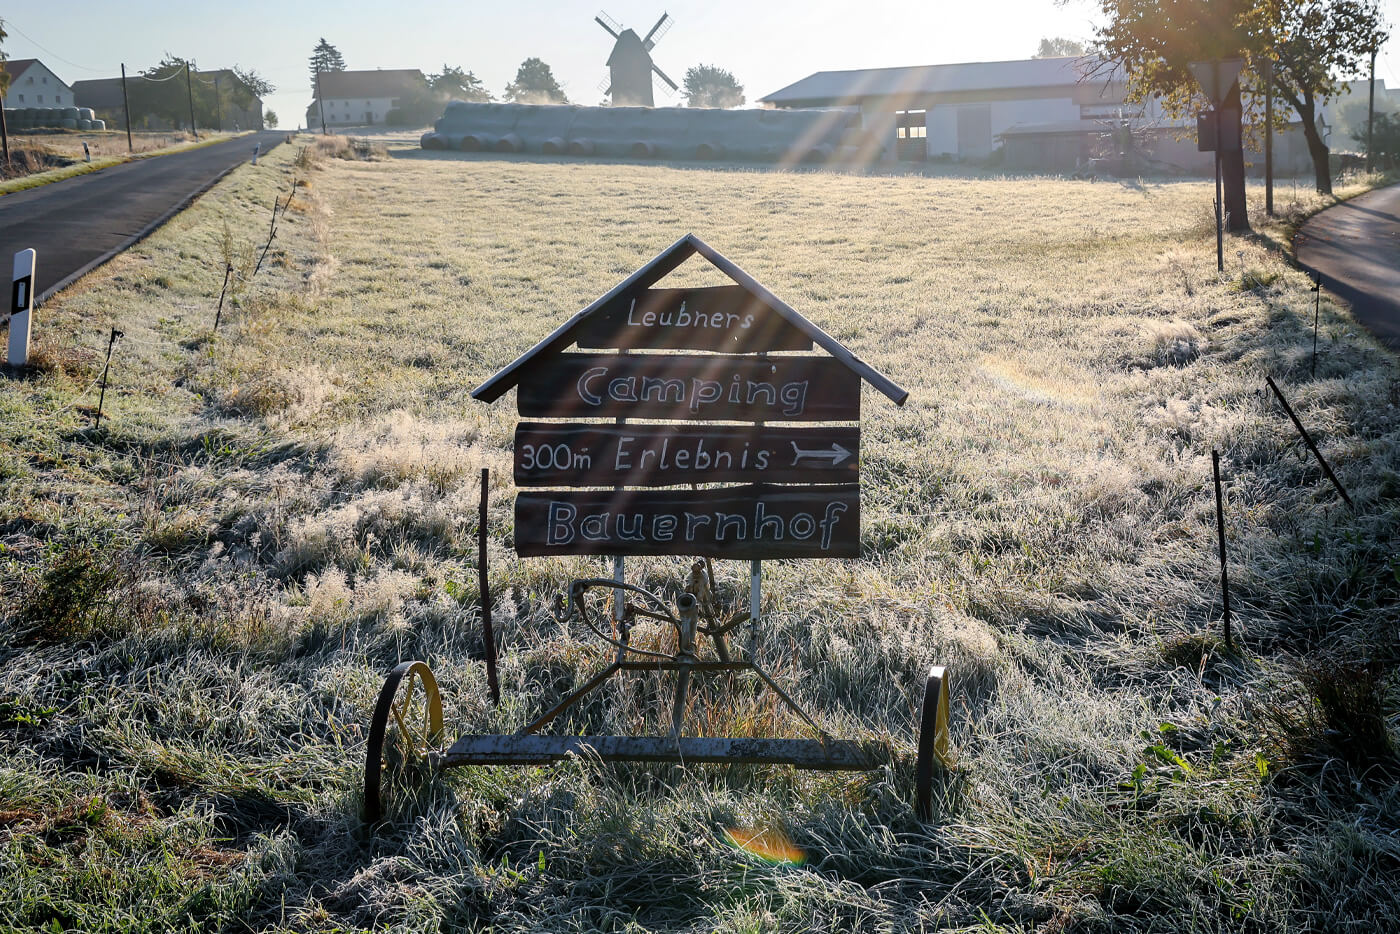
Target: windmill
[630,65]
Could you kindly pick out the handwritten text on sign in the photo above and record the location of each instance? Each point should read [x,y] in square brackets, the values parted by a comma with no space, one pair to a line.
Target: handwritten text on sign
[548,454]
[725,318]
[737,522]
[692,386]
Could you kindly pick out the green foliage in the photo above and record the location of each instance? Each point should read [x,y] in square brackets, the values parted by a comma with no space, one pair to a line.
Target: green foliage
[270,119]
[325,57]
[711,86]
[252,84]
[1310,44]
[456,84]
[1059,47]
[418,106]
[4,75]
[1384,139]
[535,84]
[74,595]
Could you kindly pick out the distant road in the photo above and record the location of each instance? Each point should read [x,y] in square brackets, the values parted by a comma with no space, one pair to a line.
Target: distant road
[1355,248]
[79,223]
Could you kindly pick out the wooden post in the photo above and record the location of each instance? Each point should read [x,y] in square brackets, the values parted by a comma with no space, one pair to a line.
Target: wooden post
[1269,138]
[4,132]
[1307,439]
[126,110]
[320,102]
[105,367]
[1317,311]
[484,585]
[1220,528]
[189,88]
[1370,116]
[21,307]
[228,268]
[1219,206]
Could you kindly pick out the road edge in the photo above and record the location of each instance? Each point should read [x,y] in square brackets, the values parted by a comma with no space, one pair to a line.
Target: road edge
[140,235]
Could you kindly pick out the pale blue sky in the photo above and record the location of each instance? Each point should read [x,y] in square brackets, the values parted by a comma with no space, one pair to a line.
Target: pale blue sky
[766,44]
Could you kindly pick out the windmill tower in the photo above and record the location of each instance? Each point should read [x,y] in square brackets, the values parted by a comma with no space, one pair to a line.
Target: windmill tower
[630,66]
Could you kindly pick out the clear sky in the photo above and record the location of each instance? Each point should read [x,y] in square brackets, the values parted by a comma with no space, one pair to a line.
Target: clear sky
[765,44]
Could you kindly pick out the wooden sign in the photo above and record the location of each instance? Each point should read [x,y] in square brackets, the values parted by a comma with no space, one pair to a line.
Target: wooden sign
[764,481]
[712,387]
[728,522]
[726,318]
[574,455]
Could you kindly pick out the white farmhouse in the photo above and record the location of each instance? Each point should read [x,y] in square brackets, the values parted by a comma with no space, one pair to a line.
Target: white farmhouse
[32,84]
[362,98]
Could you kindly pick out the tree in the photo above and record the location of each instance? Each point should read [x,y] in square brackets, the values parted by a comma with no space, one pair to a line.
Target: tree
[458,85]
[711,86]
[325,57]
[256,84]
[4,75]
[1385,144]
[534,84]
[270,119]
[166,94]
[1059,47]
[1310,43]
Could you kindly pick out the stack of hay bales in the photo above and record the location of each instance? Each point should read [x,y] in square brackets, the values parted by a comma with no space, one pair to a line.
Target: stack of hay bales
[787,136]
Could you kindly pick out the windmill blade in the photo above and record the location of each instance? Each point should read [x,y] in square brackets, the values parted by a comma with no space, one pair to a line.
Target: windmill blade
[662,75]
[613,27]
[664,26]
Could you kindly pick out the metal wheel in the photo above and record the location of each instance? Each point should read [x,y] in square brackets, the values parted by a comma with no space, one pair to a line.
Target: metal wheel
[405,730]
[933,739]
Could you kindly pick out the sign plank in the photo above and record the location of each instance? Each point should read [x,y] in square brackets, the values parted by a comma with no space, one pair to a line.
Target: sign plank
[691,386]
[726,318]
[733,522]
[550,454]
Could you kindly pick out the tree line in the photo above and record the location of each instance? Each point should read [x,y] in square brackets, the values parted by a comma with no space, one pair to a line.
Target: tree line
[535,83]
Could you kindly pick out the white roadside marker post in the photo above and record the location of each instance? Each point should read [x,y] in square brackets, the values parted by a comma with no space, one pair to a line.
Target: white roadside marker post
[21,307]
[257,148]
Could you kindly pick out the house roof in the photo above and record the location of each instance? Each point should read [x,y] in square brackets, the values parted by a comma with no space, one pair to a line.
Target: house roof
[387,82]
[655,270]
[98,93]
[850,87]
[17,66]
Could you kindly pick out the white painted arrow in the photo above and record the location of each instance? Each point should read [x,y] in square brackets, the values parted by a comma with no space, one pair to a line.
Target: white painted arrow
[836,455]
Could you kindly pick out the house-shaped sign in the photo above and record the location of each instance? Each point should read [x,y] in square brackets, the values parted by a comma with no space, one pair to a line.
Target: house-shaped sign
[746,445]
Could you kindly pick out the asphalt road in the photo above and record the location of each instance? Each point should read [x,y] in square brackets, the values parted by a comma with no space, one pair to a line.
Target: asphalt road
[1355,248]
[79,223]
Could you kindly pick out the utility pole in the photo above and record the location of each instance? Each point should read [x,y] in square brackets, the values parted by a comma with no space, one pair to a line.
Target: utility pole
[189,87]
[1371,115]
[4,132]
[1269,137]
[126,109]
[320,101]
[218,107]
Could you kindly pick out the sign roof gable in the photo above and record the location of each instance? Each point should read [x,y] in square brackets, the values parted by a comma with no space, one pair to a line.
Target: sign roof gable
[648,275]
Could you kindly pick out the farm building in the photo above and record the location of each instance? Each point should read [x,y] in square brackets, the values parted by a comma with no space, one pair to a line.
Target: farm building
[359,98]
[33,84]
[1042,114]
[222,101]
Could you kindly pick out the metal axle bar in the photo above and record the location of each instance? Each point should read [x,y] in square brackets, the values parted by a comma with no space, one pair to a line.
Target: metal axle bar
[526,749]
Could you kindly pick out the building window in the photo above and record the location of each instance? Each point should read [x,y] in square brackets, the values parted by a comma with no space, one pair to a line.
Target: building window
[21,98]
[911,124]
[29,80]
[45,79]
[41,98]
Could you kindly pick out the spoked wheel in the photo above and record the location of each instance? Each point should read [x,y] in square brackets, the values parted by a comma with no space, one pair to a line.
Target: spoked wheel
[405,730]
[933,738]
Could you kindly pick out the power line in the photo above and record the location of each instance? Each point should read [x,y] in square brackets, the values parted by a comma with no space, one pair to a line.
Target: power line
[10,24]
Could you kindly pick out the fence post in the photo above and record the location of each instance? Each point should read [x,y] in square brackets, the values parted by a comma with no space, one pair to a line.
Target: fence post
[21,307]
[1220,528]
